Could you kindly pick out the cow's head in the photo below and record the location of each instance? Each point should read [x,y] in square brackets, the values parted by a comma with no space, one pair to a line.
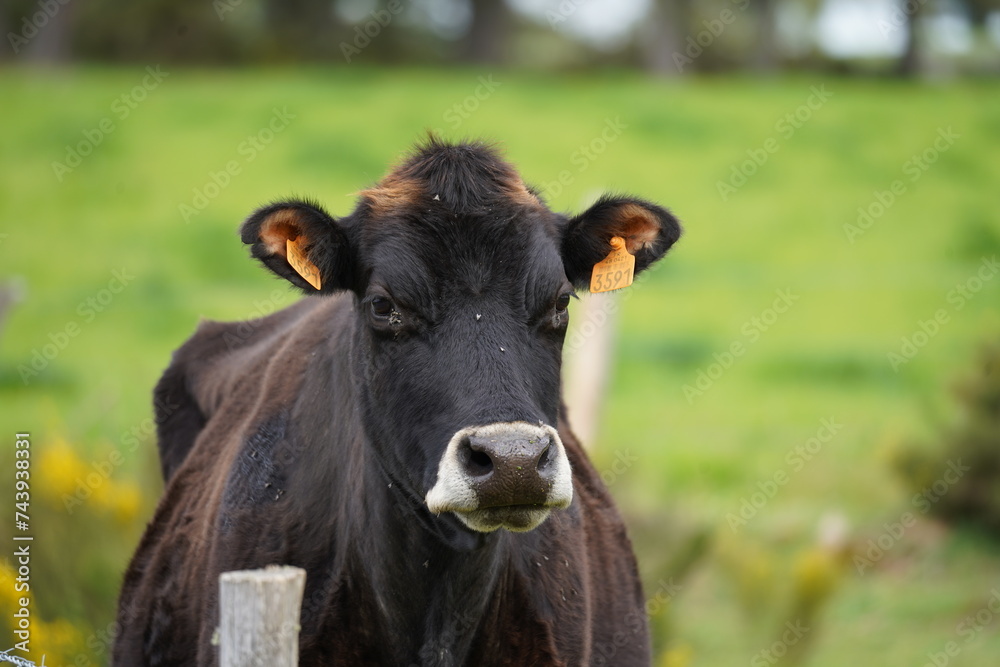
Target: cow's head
[461,279]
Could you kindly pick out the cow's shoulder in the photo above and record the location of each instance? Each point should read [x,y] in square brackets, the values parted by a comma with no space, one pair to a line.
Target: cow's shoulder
[612,573]
[226,361]
[213,340]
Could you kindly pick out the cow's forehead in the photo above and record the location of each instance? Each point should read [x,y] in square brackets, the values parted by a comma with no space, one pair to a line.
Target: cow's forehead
[460,179]
[459,217]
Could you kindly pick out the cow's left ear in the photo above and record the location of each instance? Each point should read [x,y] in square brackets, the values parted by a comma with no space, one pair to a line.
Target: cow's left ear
[649,231]
[302,243]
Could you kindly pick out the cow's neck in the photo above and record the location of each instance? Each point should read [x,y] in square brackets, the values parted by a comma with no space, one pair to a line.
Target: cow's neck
[426,579]
[431,580]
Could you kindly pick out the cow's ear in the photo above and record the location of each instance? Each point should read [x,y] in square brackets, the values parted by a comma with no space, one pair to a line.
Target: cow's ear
[301,243]
[649,231]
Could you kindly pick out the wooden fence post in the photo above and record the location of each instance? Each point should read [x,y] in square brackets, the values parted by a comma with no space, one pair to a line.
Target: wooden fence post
[259,617]
[590,345]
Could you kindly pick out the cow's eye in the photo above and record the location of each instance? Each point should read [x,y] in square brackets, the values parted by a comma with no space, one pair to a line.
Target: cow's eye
[381,307]
[562,303]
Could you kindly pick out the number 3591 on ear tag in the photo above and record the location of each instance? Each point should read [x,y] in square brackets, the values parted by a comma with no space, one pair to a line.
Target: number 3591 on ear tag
[614,271]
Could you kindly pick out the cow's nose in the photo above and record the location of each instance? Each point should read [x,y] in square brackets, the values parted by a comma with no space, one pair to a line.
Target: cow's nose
[511,467]
[502,475]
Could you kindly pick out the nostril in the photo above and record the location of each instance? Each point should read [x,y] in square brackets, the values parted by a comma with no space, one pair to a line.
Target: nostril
[544,459]
[476,462]
[479,463]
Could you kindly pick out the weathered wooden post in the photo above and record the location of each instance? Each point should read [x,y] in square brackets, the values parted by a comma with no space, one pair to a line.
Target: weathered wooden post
[259,617]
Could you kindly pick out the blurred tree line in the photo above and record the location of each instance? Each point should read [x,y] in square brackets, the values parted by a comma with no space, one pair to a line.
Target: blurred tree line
[669,37]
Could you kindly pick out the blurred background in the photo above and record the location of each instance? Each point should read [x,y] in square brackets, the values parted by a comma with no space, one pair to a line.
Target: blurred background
[798,410]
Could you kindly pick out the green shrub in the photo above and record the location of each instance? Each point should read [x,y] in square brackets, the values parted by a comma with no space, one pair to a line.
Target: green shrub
[958,478]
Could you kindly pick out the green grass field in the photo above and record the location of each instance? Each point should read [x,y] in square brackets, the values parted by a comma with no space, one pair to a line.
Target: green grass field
[119,256]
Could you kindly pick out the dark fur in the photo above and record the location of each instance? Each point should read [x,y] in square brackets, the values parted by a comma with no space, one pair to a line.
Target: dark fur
[312,440]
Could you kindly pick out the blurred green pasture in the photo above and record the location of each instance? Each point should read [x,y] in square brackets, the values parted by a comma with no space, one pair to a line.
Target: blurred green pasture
[197,138]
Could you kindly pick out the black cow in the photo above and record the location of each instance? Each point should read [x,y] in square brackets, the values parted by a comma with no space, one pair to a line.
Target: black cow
[399,435]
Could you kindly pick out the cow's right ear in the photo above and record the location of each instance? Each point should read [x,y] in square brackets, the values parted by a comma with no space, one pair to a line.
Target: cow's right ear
[302,243]
[647,229]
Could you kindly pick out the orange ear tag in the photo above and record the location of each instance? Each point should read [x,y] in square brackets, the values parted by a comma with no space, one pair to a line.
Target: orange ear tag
[301,263]
[614,271]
